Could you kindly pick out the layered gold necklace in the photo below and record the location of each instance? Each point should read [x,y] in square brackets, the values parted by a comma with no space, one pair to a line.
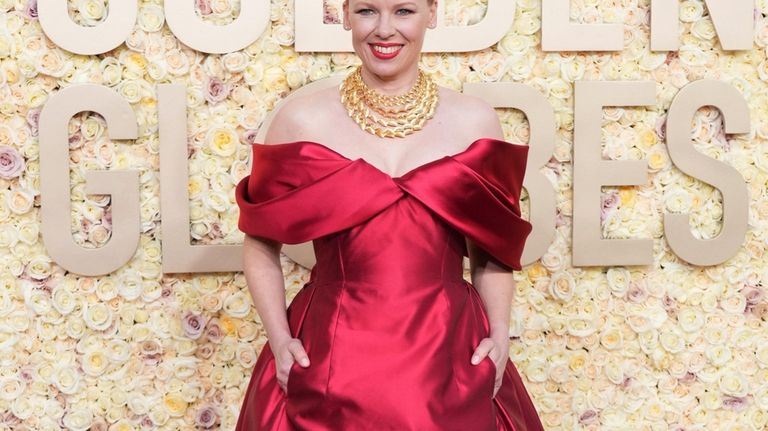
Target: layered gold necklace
[389,116]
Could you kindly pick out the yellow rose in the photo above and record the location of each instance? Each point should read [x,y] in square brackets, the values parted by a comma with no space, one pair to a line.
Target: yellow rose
[174,405]
[222,141]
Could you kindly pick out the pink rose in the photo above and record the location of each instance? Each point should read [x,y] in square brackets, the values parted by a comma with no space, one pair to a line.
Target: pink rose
[33,119]
[193,325]
[249,137]
[204,7]
[610,201]
[11,163]
[735,403]
[30,10]
[207,417]
[588,417]
[216,90]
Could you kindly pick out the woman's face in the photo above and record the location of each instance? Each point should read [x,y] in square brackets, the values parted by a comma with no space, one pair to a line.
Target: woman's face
[388,35]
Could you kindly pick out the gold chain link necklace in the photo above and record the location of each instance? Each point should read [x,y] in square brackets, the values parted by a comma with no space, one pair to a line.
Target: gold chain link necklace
[389,116]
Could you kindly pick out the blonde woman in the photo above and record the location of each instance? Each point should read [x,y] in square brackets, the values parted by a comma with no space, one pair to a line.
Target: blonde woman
[394,179]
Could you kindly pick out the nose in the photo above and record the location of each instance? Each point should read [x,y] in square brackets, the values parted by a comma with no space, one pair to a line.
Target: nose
[384,27]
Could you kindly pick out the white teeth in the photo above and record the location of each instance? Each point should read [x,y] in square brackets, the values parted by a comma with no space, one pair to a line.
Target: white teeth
[387,50]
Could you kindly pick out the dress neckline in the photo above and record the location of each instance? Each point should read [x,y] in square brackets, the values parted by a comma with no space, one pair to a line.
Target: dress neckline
[470,148]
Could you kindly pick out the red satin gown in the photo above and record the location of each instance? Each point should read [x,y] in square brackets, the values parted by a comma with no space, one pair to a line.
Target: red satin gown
[386,318]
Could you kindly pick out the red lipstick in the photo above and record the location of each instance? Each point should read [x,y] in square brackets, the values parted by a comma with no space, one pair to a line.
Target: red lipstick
[383,56]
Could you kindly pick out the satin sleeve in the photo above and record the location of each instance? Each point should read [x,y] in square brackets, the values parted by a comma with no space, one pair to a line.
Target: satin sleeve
[297,193]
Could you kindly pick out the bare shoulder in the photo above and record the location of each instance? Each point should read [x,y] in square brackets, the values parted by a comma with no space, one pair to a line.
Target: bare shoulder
[480,117]
[296,117]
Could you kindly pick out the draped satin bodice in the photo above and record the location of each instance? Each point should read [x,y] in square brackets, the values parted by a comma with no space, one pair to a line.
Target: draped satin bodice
[371,252]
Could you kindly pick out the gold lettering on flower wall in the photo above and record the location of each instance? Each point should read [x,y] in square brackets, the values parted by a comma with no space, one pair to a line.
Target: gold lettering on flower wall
[733,25]
[590,173]
[732,19]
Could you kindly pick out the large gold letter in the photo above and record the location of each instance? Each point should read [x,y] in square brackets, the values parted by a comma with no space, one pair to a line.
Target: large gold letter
[559,34]
[733,21]
[108,35]
[218,39]
[727,179]
[591,172]
[178,254]
[54,181]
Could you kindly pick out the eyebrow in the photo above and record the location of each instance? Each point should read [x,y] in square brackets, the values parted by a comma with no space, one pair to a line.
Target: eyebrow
[401,4]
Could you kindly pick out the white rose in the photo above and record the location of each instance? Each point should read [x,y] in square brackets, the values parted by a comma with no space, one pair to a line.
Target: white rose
[92,11]
[283,34]
[130,285]
[573,70]
[23,407]
[690,319]
[130,90]
[157,70]
[75,328]
[39,267]
[733,383]
[66,379]
[295,77]
[691,11]
[237,305]
[91,128]
[536,371]
[52,63]
[94,363]
[11,387]
[562,285]
[19,201]
[97,316]
[580,326]
[671,341]
[527,24]
[734,303]
[151,18]
[63,300]
[618,280]
[118,350]
[719,355]
[9,236]
[177,63]
[78,419]
[235,61]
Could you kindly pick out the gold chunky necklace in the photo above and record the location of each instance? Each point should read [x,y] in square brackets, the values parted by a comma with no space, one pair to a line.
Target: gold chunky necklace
[389,116]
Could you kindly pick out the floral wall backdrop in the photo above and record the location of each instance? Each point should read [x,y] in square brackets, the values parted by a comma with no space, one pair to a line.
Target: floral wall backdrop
[671,346]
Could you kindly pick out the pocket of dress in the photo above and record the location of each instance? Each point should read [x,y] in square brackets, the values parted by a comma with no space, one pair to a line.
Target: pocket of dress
[297,310]
[291,375]
[297,313]
[492,372]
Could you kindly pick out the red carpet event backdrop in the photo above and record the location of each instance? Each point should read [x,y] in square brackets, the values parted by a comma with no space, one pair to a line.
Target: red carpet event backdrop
[126,125]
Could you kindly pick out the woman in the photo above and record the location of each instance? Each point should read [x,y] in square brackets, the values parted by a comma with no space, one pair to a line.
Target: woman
[386,335]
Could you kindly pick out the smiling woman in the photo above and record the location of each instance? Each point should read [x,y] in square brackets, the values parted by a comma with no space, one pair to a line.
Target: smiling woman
[387,334]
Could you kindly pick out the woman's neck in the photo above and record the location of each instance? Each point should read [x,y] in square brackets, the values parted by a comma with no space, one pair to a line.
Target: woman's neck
[391,86]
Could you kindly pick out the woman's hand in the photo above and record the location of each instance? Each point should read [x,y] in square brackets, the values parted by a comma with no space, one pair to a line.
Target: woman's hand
[286,352]
[498,350]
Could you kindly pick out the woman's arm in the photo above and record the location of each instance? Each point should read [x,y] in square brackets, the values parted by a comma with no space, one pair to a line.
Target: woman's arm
[264,275]
[496,286]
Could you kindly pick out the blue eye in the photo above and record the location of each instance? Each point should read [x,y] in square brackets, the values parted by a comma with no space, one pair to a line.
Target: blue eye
[408,11]
[362,11]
